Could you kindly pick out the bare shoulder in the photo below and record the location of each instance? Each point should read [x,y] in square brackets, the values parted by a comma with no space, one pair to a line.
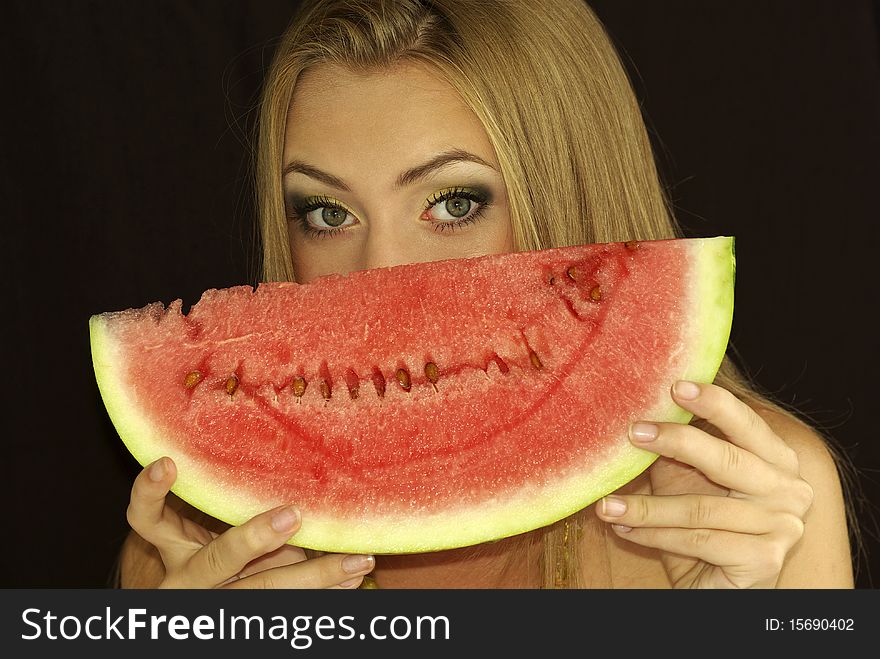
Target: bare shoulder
[814,455]
[822,559]
[139,563]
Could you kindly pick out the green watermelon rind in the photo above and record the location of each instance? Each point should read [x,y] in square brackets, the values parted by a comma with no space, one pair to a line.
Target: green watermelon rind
[712,280]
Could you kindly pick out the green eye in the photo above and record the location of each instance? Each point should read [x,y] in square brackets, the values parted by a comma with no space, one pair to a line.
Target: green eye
[458,206]
[457,211]
[329,221]
[333,216]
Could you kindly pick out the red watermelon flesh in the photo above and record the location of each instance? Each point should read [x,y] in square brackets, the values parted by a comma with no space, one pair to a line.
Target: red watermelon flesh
[422,406]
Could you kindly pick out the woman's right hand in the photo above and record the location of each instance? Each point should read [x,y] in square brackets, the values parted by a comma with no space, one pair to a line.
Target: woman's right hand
[253,555]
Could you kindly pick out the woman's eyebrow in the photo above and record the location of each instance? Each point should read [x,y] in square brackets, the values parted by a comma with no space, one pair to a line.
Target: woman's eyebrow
[408,177]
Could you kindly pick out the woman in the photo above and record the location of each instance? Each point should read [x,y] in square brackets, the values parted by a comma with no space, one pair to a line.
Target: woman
[404,131]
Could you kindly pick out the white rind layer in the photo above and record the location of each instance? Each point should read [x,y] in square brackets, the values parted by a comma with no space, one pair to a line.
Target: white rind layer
[711,301]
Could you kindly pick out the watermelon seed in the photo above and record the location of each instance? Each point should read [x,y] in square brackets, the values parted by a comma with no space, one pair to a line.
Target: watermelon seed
[353,383]
[231,384]
[572,273]
[379,382]
[596,294]
[533,356]
[502,365]
[403,379]
[192,379]
[552,280]
[536,361]
[631,244]
[431,372]
[325,390]
[299,386]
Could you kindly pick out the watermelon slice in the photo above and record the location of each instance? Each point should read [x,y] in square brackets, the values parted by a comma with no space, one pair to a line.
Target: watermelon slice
[425,406]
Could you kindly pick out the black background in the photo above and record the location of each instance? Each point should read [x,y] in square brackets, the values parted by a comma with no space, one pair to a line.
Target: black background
[124,181]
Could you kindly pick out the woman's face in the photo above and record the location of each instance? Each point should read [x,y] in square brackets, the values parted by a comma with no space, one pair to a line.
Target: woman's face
[387,168]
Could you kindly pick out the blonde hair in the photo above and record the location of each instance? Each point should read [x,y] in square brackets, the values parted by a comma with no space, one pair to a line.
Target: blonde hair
[550,90]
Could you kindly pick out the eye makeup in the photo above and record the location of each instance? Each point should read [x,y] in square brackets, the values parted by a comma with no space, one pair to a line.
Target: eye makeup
[456,202]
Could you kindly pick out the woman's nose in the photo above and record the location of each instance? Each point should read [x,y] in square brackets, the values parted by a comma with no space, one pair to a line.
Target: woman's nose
[385,246]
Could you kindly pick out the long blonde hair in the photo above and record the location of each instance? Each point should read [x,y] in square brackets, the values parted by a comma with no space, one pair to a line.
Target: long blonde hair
[550,90]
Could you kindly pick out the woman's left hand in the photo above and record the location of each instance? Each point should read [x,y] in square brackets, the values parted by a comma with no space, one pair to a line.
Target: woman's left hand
[733,536]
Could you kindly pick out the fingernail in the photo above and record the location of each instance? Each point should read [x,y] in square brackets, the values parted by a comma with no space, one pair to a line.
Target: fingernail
[157,470]
[355,564]
[620,528]
[686,390]
[351,583]
[613,506]
[644,432]
[285,519]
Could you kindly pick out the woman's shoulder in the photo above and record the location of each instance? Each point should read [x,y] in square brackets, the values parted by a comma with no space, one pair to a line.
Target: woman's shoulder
[822,558]
[140,565]
[814,454]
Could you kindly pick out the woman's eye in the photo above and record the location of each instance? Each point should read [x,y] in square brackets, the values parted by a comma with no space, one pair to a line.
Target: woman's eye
[328,217]
[456,208]
[320,217]
[453,208]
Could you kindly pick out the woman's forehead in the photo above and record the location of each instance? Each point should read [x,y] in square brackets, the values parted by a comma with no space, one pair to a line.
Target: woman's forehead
[392,115]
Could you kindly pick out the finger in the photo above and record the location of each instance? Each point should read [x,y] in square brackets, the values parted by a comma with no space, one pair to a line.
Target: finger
[147,513]
[328,571]
[689,511]
[721,461]
[194,532]
[739,422]
[228,554]
[349,584]
[284,555]
[745,559]
[669,477]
